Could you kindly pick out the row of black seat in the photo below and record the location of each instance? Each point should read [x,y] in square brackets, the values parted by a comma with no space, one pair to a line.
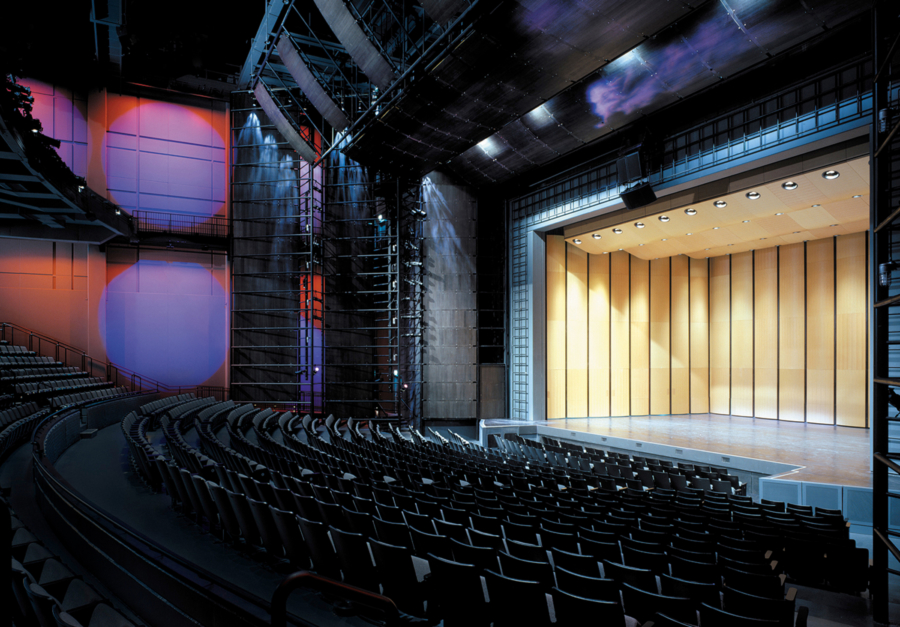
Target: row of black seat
[86,397]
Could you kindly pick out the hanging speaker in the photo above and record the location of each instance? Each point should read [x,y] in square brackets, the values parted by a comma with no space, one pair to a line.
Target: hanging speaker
[628,168]
[638,196]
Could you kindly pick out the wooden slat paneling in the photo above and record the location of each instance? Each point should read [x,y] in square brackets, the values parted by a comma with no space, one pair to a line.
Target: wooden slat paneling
[720,335]
[820,331]
[791,333]
[680,331]
[699,336]
[850,363]
[765,331]
[640,337]
[598,334]
[576,332]
[660,351]
[620,330]
[742,334]
[556,327]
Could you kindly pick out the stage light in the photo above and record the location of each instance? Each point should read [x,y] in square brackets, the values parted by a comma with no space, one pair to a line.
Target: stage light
[663,218]
[596,236]
[790,185]
[753,195]
[796,232]
[396,373]
[721,204]
[884,273]
[576,241]
[118,212]
[830,175]
[639,225]
[691,212]
[817,205]
[316,369]
[762,238]
[640,244]
[665,239]
[617,231]
[405,386]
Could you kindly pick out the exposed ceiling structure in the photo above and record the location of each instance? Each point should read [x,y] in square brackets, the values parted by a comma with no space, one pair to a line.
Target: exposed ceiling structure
[818,207]
[504,87]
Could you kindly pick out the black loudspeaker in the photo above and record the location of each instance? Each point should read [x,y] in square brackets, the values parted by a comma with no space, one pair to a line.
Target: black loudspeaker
[638,196]
[628,168]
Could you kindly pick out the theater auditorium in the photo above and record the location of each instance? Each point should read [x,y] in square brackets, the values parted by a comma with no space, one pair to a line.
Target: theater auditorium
[481,313]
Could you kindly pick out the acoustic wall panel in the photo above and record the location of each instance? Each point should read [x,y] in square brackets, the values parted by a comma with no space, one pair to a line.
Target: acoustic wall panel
[660,347]
[556,327]
[576,332]
[640,337]
[791,333]
[765,333]
[820,306]
[598,335]
[681,348]
[720,335]
[699,330]
[619,333]
[742,334]
[851,321]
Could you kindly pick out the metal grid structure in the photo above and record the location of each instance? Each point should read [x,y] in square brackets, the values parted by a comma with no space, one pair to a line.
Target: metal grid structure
[885,336]
[818,104]
[277,333]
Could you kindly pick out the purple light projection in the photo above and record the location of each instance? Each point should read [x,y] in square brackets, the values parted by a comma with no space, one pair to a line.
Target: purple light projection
[166,321]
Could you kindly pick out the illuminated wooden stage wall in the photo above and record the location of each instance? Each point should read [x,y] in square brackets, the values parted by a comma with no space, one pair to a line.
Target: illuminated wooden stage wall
[776,333]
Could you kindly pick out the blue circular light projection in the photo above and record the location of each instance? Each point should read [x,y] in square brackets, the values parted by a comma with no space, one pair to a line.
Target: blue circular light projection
[166,321]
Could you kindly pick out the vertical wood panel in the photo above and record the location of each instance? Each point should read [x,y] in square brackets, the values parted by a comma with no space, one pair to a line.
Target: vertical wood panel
[660,350]
[598,335]
[576,333]
[720,335]
[640,337]
[765,331]
[742,334]
[850,363]
[556,327]
[791,333]
[619,341]
[680,331]
[820,331]
[699,335]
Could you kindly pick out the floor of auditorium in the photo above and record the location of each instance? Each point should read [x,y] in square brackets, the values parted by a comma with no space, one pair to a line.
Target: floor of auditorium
[826,454]
[99,468]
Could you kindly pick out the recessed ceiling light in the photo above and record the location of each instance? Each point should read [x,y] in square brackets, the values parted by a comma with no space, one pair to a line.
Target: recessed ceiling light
[596,236]
[706,249]
[761,238]
[617,231]
[690,212]
[746,221]
[753,195]
[790,185]
[715,228]
[721,204]
[621,249]
[796,232]
[731,244]
[639,225]
[817,205]
[663,218]
[688,233]
[640,244]
[780,213]
[576,241]
[832,225]
[830,174]
[858,196]
[604,252]
[665,239]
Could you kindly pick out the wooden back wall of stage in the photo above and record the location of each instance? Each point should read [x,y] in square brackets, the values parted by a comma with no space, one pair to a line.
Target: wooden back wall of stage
[775,333]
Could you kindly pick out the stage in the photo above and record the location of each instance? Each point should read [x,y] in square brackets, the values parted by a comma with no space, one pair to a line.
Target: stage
[787,461]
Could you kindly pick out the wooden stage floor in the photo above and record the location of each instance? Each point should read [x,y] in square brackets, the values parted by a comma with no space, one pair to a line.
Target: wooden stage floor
[826,454]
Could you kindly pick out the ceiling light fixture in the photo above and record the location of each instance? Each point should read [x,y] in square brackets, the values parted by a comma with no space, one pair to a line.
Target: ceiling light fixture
[688,233]
[691,212]
[640,244]
[790,185]
[830,175]
[663,218]
[858,196]
[746,221]
[817,205]
[721,204]
[665,239]
[617,231]
[753,195]
[832,225]
[576,241]
[716,228]
[596,236]
[639,225]
[780,213]
[796,232]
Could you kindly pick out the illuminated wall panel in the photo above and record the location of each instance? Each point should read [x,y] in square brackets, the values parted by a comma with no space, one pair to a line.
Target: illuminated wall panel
[720,335]
[598,335]
[556,327]
[791,333]
[851,319]
[640,336]
[820,304]
[699,329]
[742,334]
[660,346]
[619,333]
[576,332]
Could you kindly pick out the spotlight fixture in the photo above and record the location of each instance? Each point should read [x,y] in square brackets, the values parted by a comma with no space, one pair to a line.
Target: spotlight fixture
[721,204]
[617,231]
[639,225]
[118,212]
[753,195]
[316,369]
[576,241]
[640,244]
[761,238]
[781,213]
[81,188]
[830,175]
[790,185]
[706,249]
[380,218]
[884,273]
[746,221]
[691,212]
[663,218]
[621,249]
[796,232]
[405,386]
[396,373]
[596,236]
[857,196]
[731,244]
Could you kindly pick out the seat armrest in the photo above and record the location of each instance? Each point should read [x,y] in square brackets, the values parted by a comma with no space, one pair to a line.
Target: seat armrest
[768,555]
[791,594]
[773,564]
[783,577]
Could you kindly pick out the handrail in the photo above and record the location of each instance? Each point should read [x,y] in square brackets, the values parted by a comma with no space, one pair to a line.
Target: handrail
[118,375]
[181,223]
[304,578]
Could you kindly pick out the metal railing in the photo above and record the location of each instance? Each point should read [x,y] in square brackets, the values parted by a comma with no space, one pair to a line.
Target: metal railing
[186,224]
